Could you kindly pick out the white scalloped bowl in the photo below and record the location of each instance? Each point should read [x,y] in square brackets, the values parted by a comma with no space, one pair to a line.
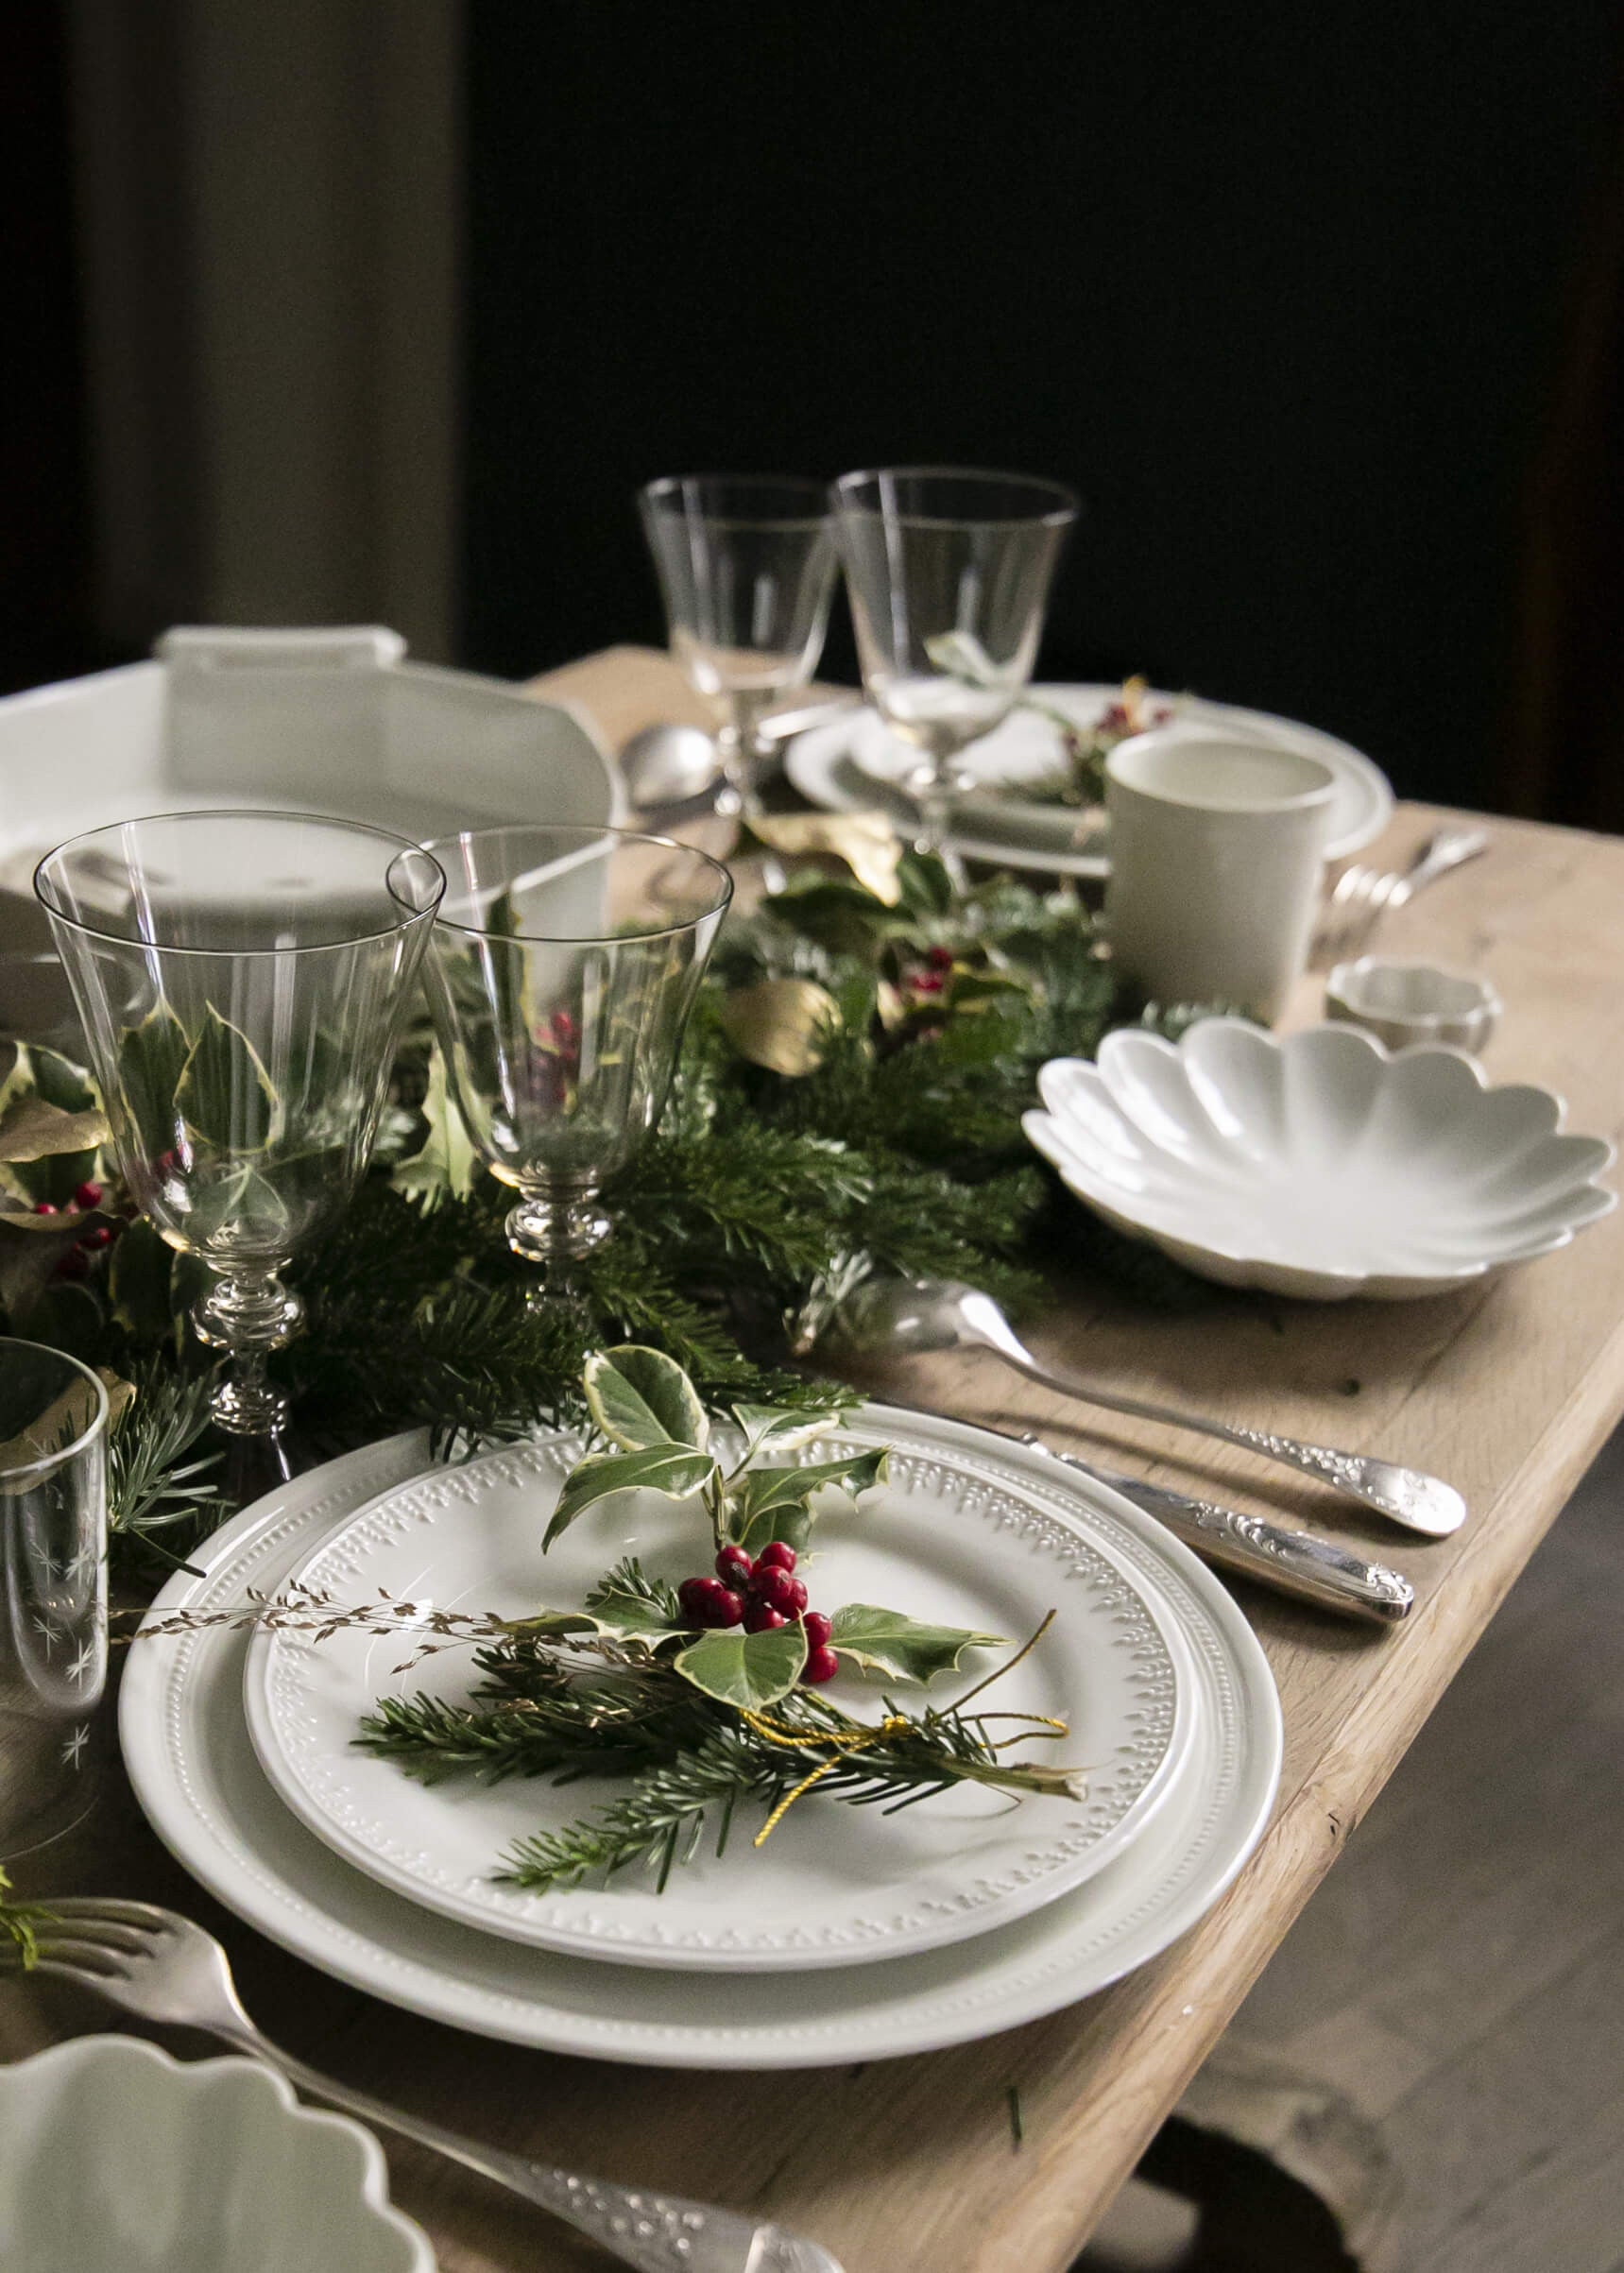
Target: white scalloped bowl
[116,2159]
[1317,1164]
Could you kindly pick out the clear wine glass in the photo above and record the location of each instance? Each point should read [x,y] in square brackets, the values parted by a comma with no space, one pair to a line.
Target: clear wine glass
[948,572]
[241,978]
[564,965]
[747,568]
[53,1603]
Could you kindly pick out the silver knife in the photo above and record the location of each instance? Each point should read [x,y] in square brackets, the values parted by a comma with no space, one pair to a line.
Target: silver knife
[1294,1562]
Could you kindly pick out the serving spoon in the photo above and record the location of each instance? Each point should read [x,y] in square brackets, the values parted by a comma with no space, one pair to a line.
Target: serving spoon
[891,1318]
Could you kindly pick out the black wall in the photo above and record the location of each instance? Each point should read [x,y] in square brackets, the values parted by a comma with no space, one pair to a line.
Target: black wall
[1280,288]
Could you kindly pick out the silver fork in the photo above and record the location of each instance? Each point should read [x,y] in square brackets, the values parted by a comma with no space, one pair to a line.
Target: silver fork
[1363,896]
[163,1967]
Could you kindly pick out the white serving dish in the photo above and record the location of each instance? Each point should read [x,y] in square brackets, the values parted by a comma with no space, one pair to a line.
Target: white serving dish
[856,761]
[1405,1002]
[1319,1164]
[333,721]
[116,2159]
[186,1746]
[834,1885]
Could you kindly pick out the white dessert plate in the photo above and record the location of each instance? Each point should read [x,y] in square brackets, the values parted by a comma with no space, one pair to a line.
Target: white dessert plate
[193,1768]
[856,761]
[1318,1164]
[833,1885]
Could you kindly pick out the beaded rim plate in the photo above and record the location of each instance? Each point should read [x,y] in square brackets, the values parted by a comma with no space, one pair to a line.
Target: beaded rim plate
[947,1541]
[193,1773]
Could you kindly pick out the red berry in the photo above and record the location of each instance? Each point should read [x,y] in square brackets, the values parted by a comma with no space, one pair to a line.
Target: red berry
[927,982]
[74,1264]
[797,1597]
[821,1665]
[759,1620]
[777,1557]
[100,1236]
[45,1208]
[940,959]
[708,1602]
[88,1195]
[819,1630]
[774,1586]
[734,1569]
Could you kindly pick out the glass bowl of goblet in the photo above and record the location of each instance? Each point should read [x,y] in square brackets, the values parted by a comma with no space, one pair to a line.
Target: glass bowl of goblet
[241,978]
[563,966]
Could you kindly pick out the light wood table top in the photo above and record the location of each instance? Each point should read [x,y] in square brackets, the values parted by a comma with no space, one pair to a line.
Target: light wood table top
[1508,1389]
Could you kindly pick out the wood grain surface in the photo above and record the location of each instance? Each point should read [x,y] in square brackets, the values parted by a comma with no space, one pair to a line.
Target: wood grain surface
[909,2167]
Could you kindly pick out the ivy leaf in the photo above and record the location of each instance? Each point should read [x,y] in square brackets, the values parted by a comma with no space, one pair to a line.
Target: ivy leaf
[640,1397]
[780,1428]
[675,1470]
[225,1094]
[762,1502]
[151,1059]
[884,1641]
[748,1670]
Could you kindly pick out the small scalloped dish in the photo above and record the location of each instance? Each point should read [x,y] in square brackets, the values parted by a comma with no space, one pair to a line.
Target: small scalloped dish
[1317,1164]
[116,2159]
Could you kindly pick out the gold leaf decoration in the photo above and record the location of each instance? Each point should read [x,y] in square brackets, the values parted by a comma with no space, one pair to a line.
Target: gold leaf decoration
[866,841]
[780,1023]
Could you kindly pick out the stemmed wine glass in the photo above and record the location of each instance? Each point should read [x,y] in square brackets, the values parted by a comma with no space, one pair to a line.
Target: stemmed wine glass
[948,572]
[241,977]
[746,567]
[564,965]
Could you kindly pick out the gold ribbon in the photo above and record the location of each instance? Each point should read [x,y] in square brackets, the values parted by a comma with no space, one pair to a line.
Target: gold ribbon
[836,1741]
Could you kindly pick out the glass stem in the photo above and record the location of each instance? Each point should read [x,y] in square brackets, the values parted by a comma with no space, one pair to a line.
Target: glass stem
[249,1313]
[555,1226]
[740,752]
[932,787]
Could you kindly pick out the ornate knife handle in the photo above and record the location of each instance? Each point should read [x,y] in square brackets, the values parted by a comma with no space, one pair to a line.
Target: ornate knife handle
[1293,1562]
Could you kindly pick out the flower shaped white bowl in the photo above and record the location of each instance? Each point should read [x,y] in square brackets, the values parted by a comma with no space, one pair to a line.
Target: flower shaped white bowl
[1318,1164]
[116,2159]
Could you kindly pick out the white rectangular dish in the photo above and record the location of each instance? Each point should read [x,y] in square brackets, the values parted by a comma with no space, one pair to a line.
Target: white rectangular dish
[331,721]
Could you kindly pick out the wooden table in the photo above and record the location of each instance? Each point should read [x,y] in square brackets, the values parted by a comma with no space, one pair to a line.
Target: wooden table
[909,2167]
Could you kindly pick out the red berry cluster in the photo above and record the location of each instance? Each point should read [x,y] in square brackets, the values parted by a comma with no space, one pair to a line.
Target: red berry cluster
[761,1596]
[75,1263]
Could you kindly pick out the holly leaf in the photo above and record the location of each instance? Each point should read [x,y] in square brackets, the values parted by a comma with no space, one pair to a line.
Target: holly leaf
[764,1502]
[33,1130]
[780,1427]
[884,1641]
[447,1158]
[151,1059]
[31,1246]
[676,1471]
[140,1282]
[640,1398]
[224,1094]
[748,1670]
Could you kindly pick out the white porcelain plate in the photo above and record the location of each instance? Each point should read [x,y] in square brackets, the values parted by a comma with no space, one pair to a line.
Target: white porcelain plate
[194,1770]
[834,1885]
[1318,1164]
[855,763]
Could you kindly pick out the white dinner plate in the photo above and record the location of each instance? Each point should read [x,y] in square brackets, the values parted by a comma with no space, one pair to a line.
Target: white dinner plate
[855,763]
[193,1771]
[834,1885]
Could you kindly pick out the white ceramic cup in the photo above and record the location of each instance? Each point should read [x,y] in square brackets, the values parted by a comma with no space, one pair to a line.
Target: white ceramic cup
[1217,855]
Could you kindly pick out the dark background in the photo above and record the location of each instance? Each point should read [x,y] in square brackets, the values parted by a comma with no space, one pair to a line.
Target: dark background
[1317,309]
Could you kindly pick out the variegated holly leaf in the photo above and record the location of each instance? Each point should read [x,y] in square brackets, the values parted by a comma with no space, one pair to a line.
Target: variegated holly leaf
[748,1670]
[783,1024]
[640,1397]
[676,1471]
[446,1160]
[46,1158]
[884,1641]
[151,1059]
[224,1095]
[777,1429]
[33,1130]
[774,1503]
[31,1246]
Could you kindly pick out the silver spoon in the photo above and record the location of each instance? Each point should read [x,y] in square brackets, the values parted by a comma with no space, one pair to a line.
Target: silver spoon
[668,764]
[901,1317]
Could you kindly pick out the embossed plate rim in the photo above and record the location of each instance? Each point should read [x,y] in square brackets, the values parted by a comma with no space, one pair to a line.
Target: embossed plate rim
[752,1912]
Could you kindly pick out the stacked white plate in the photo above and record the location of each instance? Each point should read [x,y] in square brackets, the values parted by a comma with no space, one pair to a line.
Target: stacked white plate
[849,1935]
[858,762]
